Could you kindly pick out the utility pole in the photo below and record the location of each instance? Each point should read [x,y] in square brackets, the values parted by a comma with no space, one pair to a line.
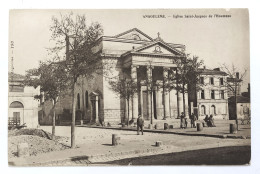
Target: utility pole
[235,81]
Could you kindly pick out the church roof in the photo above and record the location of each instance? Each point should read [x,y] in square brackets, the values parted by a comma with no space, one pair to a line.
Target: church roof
[136,30]
[150,44]
[205,71]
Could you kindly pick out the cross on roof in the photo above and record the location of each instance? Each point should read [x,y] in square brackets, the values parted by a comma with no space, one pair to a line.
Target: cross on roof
[158,34]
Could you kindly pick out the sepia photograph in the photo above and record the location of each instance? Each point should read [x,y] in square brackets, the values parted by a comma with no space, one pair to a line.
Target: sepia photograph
[129,87]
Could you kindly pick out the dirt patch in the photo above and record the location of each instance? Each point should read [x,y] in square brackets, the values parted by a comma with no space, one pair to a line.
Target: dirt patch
[38,140]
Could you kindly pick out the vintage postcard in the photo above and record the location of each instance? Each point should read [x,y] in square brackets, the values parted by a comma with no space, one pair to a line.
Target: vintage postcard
[149,87]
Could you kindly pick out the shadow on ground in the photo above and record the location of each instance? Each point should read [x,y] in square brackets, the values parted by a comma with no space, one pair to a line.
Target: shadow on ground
[230,155]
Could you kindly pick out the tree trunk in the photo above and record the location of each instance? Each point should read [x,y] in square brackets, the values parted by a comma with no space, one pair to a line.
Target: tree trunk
[183,100]
[54,101]
[53,121]
[164,108]
[127,112]
[151,106]
[73,118]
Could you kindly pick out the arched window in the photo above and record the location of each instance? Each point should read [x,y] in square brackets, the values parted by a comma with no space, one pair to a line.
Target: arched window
[86,98]
[78,101]
[203,110]
[213,109]
[16,104]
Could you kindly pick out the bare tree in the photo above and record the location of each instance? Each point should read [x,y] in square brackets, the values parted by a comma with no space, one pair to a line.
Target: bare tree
[73,37]
[233,83]
[125,89]
[186,76]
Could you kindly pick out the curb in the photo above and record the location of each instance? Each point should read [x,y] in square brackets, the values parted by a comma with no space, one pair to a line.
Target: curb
[98,158]
[170,132]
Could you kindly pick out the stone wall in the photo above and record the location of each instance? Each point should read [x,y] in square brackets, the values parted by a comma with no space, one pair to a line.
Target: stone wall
[114,116]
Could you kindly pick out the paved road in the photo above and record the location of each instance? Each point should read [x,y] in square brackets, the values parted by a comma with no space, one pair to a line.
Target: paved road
[238,155]
[230,155]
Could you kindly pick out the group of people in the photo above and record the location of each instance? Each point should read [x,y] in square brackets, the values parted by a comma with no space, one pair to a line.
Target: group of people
[209,121]
[184,121]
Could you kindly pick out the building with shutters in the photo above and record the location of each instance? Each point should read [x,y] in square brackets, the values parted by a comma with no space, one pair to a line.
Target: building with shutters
[212,97]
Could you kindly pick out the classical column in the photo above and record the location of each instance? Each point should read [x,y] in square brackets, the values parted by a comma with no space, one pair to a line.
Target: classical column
[97,120]
[141,101]
[135,97]
[126,111]
[174,100]
[186,105]
[157,93]
[166,95]
[180,100]
[149,92]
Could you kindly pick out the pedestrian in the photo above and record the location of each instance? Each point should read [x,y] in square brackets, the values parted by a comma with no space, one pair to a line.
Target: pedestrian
[140,124]
[183,125]
[186,122]
[211,121]
[193,120]
[206,120]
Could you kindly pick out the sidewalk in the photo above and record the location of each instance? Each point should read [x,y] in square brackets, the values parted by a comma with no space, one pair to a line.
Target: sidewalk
[220,131]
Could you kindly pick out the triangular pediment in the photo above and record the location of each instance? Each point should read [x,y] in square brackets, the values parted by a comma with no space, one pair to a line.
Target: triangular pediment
[134,34]
[158,48]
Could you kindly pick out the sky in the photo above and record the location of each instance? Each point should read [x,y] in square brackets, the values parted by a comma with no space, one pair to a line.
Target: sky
[216,40]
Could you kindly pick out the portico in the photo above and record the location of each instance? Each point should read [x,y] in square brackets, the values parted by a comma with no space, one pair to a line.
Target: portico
[136,57]
[150,67]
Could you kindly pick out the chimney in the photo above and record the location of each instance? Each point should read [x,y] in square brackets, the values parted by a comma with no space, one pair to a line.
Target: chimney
[204,67]
[237,75]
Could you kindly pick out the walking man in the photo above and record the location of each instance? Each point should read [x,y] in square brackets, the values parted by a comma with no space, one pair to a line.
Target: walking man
[140,124]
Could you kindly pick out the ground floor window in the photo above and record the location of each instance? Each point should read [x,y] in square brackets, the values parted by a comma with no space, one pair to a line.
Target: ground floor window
[15,118]
[213,109]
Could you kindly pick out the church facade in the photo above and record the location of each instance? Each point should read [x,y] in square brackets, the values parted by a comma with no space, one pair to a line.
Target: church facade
[146,61]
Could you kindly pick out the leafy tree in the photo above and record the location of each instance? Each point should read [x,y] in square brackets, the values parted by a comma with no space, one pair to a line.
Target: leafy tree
[125,89]
[52,80]
[72,36]
[186,76]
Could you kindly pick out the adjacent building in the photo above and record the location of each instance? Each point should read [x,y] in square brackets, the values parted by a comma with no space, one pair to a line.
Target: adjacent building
[243,107]
[22,107]
[212,95]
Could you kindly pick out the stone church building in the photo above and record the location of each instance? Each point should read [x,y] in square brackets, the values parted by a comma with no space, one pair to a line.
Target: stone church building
[132,55]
